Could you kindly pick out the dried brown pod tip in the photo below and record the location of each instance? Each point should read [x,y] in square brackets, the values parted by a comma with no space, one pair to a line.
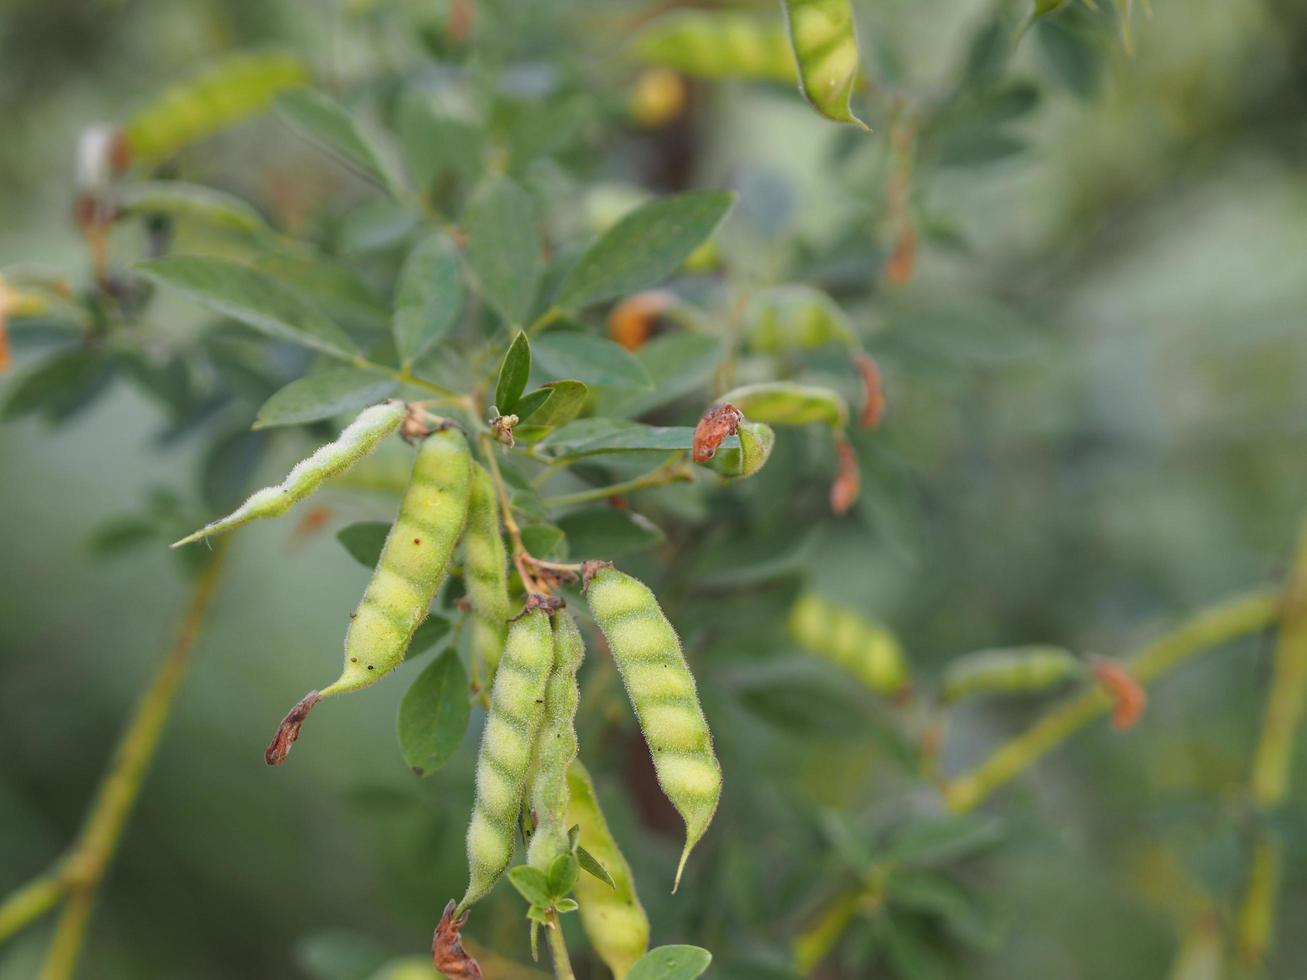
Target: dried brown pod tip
[844,491]
[873,388]
[717,423]
[1128,697]
[447,951]
[537,600]
[289,729]
[590,569]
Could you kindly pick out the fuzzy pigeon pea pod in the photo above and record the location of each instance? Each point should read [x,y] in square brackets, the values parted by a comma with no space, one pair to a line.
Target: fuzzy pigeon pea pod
[517,709]
[612,916]
[1014,670]
[358,439]
[556,747]
[756,442]
[662,691]
[789,403]
[485,565]
[867,650]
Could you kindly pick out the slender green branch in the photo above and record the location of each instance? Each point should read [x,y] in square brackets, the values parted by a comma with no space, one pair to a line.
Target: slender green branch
[1211,627]
[558,949]
[32,901]
[668,473]
[80,873]
[1272,764]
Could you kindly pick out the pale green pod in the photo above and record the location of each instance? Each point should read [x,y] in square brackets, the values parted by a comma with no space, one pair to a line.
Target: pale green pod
[717,44]
[826,50]
[662,691]
[556,747]
[413,562]
[795,317]
[517,704]
[359,438]
[789,403]
[756,442]
[1010,670]
[867,650]
[612,917]
[485,570]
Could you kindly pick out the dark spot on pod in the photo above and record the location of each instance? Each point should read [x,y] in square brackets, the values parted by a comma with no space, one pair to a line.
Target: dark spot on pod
[353,660]
[417,540]
[418,771]
[370,667]
[353,615]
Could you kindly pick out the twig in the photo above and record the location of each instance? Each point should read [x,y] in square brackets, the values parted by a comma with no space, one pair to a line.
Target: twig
[671,472]
[1211,627]
[558,948]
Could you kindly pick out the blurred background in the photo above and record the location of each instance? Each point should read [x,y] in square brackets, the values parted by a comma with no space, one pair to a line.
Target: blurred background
[1095,369]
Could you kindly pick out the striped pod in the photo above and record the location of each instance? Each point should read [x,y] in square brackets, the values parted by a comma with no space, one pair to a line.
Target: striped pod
[1012,670]
[788,403]
[662,691]
[796,317]
[612,917]
[413,562]
[556,747]
[517,704]
[826,50]
[485,567]
[717,44]
[359,438]
[866,650]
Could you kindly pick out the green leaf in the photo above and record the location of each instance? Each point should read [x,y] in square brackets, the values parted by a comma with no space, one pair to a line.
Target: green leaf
[330,125]
[602,532]
[566,905]
[564,405]
[563,873]
[1069,55]
[679,363]
[227,468]
[545,541]
[340,955]
[428,296]
[182,200]
[433,715]
[324,394]
[60,386]
[251,297]
[503,247]
[589,863]
[364,541]
[964,912]
[429,632]
[435,145]
[532,884]
[527,405]
[593,437]
[644,248]
[671,963]
[122,534]
[947,839]
[826,49]
[594,360]
[514,370]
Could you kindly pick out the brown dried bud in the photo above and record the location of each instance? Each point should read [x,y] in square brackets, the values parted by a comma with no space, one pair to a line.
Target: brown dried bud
[873,406]
[447,951]
[844,491]
[717,423]
[632,320]
[1128,696]
[502,426]
[289,730]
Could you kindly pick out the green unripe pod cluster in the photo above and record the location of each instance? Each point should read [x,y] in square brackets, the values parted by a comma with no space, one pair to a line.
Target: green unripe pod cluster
[413,562]
[789,403]
[796,317]
[1013,670]
[718,44]
[613,918]
[517,703]
[358,439]
[867,650]
[556,747]
[662,691]
[485,570]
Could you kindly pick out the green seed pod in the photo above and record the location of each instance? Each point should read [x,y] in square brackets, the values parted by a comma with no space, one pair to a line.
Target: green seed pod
[717,44]
[795,317]
[787,403]
[517,704]
[556,747]
[613,918]
[821,34]
[413,562]
[756,442]
[485,567]
[1008,671]
[867,650]
[662,691]
[359,438]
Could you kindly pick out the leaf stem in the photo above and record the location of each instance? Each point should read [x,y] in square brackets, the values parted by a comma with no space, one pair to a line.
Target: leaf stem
[31,901]
[558,948]
[1210,627]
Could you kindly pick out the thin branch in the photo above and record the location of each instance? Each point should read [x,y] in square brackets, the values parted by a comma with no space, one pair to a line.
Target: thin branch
[670,472]
[558,948]
[31,901]
[1210,627]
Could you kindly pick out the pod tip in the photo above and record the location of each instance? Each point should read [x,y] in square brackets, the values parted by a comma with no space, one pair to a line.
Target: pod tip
[289,729]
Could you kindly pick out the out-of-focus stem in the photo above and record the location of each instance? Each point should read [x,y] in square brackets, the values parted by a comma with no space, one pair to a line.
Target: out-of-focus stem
[558,949]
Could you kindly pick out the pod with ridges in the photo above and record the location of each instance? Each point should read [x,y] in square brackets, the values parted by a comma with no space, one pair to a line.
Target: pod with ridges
[612,916]
[867,650]
[756,442]
[662,691]
[1009,670]
[556,746]
[485,568]
[358,439]
[789,403]
[517,704]
[718,44]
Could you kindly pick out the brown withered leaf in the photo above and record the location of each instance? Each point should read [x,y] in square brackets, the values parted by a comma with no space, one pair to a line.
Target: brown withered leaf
[1128,696]
[717,423]
[873,389]
[447,952]
[844,491]
[632,320]
[289,729]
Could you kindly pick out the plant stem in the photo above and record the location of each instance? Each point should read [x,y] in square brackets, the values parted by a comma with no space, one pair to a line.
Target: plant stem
[32,901]
[510,522]
[1269,783]
[544,320]
[88,859]
[1210,627]
[669,473]
[558,948]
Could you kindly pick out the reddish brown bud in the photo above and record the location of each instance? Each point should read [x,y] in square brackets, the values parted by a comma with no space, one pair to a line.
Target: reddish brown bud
[632,320]
[844,491]
[289,730]
[717,423]
[873,406]
[1128,697]
[447,951]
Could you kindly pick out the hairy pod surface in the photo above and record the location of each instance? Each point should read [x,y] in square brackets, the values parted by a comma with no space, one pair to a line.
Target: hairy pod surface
[796,317]
[517,704]
[413,562]
[1010,670]
[662,691]
[613,918]
[867,650]
[718,44]
[789,403]
[556,746]
[358,439]
[756,442]
[485,566]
